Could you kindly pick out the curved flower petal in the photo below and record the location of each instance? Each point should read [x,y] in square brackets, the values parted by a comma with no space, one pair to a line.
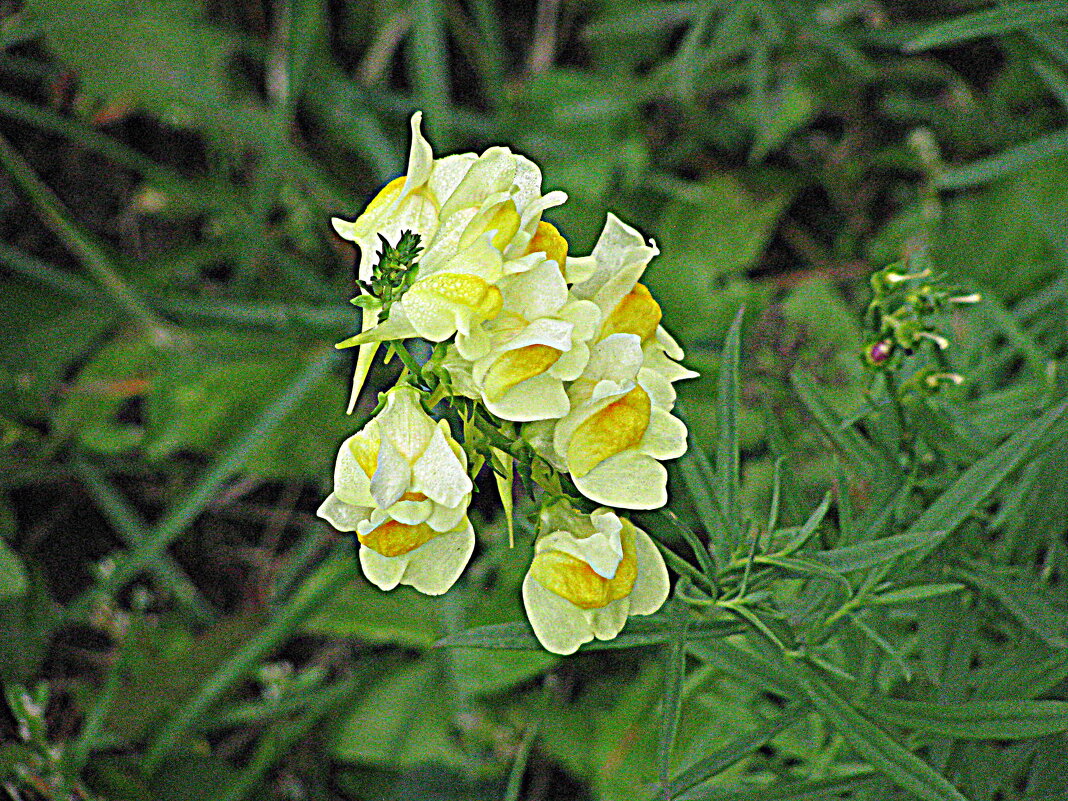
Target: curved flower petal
[628,480]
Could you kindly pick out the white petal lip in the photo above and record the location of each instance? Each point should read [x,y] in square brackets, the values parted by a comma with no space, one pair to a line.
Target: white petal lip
[341,515]
[432,568]
[560,626]
[439,474]
[627,480]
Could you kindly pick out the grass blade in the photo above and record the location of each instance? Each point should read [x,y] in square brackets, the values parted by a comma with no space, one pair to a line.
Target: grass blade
[727,458]
[735,751]
[989,22]
[1008,161]
[875,746]
[284,623]
[671,709]
[974,720]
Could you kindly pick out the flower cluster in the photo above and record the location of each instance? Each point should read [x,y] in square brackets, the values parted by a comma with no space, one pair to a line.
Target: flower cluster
[557,364]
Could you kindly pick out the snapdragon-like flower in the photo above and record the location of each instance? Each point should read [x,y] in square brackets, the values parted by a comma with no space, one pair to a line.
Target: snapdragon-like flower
[478,216]
[619,428]
[590,572]
[401,484]
[610,278]
[536,344]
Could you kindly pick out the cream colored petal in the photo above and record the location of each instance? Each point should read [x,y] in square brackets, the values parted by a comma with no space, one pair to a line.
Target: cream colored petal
[351,484]
[602,550]
[538,292]
[657,387]
[491,173]
[657,359]
[627,480]
[665,438]
[392,477]
[396,327]
[385,572]
[653,585]
[475,344]
[668,343]
[560,626]
[539,398]
[520,264]
[444,518]
[585,315]
[342,516]
[434,566]
[616,358]
[412,513]
[544,331]
[571,364]
[420,157]
[579,269]
[449,171]
[439,474]
[609,620]
[404,422]
[618,246]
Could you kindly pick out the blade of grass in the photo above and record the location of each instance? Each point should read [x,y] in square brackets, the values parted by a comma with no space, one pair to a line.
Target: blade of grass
[974,720]
[1008,161]
[973,486]
[428,67]
[846,439]
[989,22]
[727,457]
[279,739]
[91,255]
[735,751]
[129,525]
[671,700]
[805,790]
[284,623]
[154,544]
[874,745]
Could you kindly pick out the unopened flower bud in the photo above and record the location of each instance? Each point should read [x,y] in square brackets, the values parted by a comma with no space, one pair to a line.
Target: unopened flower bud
[880,352]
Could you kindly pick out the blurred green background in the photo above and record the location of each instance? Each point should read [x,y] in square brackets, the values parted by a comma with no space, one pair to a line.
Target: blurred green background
[170,400]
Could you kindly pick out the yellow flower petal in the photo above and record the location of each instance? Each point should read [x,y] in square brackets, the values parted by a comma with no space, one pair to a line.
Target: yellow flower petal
[637,313]
[393,538]
[549,241]
[514,366]
[572,578]
[617,427]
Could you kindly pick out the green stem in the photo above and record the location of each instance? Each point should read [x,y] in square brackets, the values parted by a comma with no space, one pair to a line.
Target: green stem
[58,219]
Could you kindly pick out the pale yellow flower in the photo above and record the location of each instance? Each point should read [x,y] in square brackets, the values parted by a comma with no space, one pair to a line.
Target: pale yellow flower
[619,428]
[588,575]
[401,484]
[477,216]
[536,344]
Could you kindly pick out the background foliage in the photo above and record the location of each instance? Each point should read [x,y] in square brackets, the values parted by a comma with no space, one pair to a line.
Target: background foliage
[880,612]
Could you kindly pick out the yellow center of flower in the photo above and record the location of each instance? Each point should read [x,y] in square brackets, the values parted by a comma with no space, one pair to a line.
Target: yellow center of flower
[482,298]
[637,313]
[573,579]
[617,427]
[517,365]
[549,241]
[503,220]
[394,539]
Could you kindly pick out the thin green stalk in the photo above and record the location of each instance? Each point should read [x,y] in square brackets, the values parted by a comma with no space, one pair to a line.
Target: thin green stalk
[99,265]
[286,621]
[128,524]
[279,739]
[156,541]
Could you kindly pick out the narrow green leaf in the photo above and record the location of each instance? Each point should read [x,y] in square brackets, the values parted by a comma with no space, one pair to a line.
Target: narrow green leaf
[877,552]
[919,592]
[808,528]
[989,22]
[807,790]
[640,630]
[875,746]
[735,751]
[1008,161]
[1026,678]
[972,487]
[727,458]
[974,720]
[846,438]
[750,668]
[13,580]
[284,624]
[699,478]
[671,700]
